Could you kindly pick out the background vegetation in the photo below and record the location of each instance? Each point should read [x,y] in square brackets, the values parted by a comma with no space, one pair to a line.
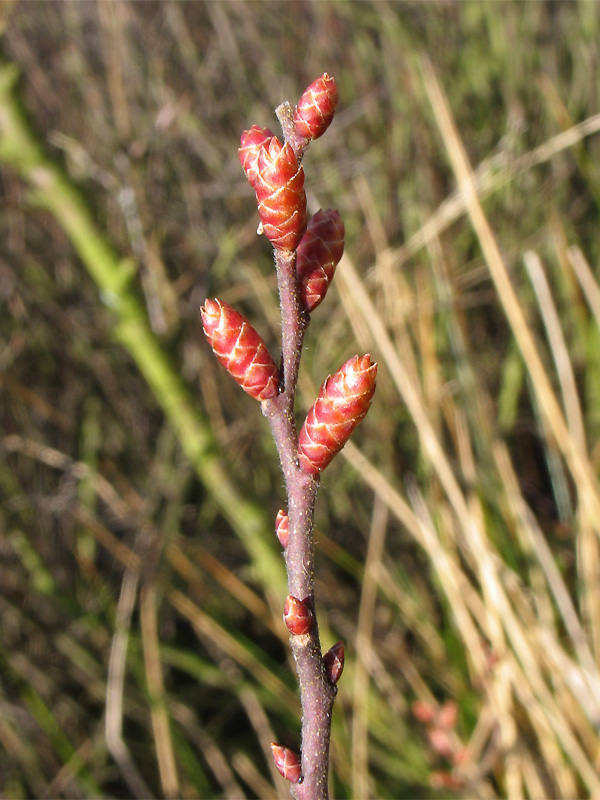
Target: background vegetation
[142,650]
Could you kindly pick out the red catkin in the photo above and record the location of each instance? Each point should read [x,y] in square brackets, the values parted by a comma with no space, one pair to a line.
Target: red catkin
[343,401]
[287,762]
[334,662]
[250,143]
[318,255]
[282,527]
[240,349]
[297,616]
[316,107]
[280,196]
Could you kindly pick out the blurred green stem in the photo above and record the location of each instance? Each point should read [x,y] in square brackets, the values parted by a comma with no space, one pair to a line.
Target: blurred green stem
[21,150]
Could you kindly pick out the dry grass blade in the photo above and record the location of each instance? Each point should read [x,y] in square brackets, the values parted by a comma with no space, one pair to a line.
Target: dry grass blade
[490,176]
[156,690]
[582,472]
[564,368]
[587,280]
[364,634]
[114,688]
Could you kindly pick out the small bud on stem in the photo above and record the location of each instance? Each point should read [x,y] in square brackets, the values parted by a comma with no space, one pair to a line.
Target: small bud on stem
[316,107]
[287,762]
[297,616]
[334,662]
[282,526]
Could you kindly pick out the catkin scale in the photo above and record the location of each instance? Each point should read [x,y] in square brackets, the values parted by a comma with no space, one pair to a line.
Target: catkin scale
[343,401]
[240,349]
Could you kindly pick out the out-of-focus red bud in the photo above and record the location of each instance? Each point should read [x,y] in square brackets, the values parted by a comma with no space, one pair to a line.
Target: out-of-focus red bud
[316,107]
[343,401]
[287,762]
[240,349]
[440,741]
[279,187]
[297,616]
[282,527]
[448,715]
[318,255]
[334,662]
[250,143]
[424,712]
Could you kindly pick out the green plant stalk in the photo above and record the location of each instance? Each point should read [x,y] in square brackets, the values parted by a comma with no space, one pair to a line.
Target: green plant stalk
[21,150]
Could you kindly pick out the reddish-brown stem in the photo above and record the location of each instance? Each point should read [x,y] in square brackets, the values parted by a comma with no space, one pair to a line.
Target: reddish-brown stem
[294,319]
[317,693]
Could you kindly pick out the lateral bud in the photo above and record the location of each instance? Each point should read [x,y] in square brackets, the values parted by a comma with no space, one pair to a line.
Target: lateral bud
[318,255]
[287,762]
[240,349]
[282,525]
[334,662]
[316,107]
[343,401]
[297,616]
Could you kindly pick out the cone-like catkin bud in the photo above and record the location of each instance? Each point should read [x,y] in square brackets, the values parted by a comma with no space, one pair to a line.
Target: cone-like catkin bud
[279,187]
[318,255]
[343,401]
[316,108]
[297,616]
[282,524]
[240,349]
[287,762]
[334,662]
[250,143]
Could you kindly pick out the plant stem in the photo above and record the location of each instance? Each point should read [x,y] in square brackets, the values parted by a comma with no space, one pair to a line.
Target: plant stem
[317,693]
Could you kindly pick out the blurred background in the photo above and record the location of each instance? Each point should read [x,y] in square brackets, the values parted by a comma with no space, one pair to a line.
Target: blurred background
[142,651]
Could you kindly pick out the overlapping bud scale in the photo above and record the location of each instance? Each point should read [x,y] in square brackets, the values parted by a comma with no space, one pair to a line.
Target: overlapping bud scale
[279,187]
[318,255]
[343,401]
[316,107]
[287,762]
[250,143]
[240,349]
